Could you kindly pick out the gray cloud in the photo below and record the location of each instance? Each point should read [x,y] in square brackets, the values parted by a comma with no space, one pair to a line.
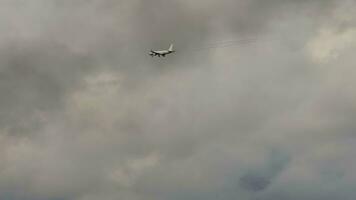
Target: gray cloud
[86,114]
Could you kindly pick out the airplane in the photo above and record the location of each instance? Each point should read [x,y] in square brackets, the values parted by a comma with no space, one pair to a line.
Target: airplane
[162,52]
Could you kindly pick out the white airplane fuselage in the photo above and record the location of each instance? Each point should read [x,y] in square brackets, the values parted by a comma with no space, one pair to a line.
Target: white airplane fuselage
[162,52]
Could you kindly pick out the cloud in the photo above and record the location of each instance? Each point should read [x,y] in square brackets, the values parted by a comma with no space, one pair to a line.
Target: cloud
[86,114]
[334,38]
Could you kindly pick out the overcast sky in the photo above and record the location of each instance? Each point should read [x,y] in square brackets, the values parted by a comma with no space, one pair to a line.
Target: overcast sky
[87,114]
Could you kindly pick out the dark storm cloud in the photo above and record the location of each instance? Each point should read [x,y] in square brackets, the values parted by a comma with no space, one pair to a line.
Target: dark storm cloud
[260,178]
[36,78]
[86,114]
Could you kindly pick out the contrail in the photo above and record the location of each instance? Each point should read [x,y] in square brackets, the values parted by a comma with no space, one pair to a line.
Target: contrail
[224,44]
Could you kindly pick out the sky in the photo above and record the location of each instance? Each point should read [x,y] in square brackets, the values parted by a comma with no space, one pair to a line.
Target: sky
[87,114]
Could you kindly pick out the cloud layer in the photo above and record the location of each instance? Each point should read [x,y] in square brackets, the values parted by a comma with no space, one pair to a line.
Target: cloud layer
[86,114]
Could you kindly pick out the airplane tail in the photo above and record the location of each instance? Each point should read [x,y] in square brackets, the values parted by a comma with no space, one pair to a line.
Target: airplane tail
[170,48]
